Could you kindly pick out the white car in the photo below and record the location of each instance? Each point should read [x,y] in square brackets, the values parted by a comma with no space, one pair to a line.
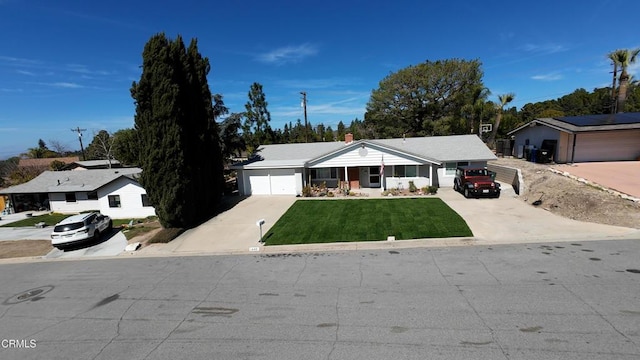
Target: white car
[80,228]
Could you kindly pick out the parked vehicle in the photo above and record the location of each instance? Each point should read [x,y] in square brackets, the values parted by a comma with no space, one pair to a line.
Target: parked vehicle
[80,228]
[476,182]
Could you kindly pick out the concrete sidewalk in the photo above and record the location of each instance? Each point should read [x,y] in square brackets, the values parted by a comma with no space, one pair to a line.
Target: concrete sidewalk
[493,221]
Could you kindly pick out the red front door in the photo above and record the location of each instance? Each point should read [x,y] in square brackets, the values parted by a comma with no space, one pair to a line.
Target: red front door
[354,178]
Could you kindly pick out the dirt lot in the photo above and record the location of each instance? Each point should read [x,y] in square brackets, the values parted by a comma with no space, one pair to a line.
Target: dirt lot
[572,199]
[24,248]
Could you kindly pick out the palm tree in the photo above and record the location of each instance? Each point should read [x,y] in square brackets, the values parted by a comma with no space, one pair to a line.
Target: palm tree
[623,58]
[503,100]
[475,107]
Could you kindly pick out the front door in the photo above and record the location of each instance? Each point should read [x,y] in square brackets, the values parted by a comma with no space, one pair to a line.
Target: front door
[354,178]
[374,176]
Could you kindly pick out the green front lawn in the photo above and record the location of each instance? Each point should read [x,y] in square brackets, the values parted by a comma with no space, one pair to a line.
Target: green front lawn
[324,221]
[49,219]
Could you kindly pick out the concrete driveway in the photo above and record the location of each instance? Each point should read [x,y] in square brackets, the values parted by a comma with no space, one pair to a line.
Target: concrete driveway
[110,245]
[510,220]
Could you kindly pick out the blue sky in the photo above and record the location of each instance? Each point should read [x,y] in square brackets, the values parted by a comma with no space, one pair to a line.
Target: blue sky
[70,63]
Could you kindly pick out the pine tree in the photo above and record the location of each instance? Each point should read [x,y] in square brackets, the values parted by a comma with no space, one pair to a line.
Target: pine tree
[179,146]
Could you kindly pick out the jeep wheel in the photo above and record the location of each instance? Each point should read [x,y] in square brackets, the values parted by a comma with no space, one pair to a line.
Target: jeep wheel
[455,186]
[96,235]
[466,193]
[110,227]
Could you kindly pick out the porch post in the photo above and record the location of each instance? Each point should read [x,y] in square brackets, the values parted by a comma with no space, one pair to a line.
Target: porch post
[346,177]
[430,174]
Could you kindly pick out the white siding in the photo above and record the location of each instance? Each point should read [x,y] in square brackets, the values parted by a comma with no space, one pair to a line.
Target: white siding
[366,156]
[607,146]
[59,204]
[130,193]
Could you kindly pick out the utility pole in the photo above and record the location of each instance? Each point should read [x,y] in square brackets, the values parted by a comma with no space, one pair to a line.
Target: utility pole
[304,106]
[79,131]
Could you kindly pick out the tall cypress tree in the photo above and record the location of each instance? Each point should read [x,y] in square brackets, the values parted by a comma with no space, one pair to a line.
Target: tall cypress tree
[179,148]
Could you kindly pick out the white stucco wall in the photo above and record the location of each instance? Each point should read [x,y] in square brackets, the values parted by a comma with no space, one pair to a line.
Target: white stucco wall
[130,193]
[59,204]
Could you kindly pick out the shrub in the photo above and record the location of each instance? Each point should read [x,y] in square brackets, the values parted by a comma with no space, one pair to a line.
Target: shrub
[432,190]
[412,187]
[306,191]
[166,235]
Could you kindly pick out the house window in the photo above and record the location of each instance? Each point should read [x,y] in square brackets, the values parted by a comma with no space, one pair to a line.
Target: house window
[145,200]
[450,167]
[405,170]
[324,173]
[92,195]
[70,197]
[114,201]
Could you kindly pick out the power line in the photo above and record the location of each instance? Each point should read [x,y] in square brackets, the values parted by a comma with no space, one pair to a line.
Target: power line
[304,106]
[79,131]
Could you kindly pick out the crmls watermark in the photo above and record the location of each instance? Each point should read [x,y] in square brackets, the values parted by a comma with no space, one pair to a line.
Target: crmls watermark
[18,344]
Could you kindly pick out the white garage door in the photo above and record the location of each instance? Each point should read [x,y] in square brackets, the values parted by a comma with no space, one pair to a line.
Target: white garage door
[271,182]
[283,182]
[258,182]
[607,146]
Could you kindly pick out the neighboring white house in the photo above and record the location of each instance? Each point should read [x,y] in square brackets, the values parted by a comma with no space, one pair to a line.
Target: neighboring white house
[114,192]
[284,169]
[614,137]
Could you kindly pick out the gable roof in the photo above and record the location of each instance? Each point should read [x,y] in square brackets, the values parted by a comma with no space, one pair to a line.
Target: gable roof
[442,148]
[71,181]
[433,149]
[585,123]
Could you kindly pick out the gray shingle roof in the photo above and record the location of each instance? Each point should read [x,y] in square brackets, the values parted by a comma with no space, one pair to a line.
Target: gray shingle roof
[71,181]
[438,148]
[442,148]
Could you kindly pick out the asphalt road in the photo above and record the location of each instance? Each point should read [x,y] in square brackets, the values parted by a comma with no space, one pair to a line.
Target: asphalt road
[578,300]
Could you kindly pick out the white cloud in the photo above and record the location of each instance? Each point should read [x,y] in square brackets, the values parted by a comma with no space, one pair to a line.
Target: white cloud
[543,48]
[288,54]
[66,85]
[24,72]
[305,84]
[548,77]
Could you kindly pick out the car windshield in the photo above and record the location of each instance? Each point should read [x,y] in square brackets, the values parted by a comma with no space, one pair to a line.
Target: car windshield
[68,227]
[477,172]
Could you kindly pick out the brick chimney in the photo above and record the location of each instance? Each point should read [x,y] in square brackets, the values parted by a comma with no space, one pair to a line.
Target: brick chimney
[348,138]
